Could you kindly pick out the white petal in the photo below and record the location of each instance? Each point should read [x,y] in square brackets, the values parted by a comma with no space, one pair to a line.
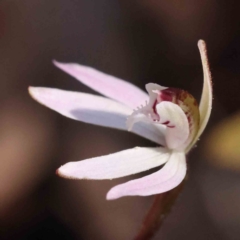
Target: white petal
[167,178]
[105,84]
[177,130]
[206,98]
[92,109]
[115,165]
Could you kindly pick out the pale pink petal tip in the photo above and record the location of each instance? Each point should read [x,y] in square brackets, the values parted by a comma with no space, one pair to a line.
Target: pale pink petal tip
[33,91]
[59,173]
[69,68]
[113,194]
[30,89]
[201,43]
[58,64]
[64,172]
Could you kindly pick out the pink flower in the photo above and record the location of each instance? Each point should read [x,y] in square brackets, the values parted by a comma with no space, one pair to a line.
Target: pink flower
[167,116]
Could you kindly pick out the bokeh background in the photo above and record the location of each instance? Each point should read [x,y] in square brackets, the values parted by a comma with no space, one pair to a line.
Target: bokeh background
[138,40]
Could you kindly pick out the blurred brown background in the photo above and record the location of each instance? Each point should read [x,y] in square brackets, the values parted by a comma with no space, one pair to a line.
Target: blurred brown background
[140,41]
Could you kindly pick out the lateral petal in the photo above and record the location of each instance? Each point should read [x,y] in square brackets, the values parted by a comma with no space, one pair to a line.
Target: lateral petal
[93,109]
[167,178]
[115,165]
[105,84]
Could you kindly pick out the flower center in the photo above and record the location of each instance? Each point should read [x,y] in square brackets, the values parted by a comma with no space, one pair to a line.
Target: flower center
[157,94]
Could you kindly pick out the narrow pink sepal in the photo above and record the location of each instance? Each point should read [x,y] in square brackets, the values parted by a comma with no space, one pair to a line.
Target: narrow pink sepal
[167,178]
[93,109]
[115,165]
[82,106]
[105,84]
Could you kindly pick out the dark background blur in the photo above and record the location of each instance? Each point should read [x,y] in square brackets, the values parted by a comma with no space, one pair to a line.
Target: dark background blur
[138,40]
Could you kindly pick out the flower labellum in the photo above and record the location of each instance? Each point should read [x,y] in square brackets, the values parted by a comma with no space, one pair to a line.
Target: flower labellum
[169,117]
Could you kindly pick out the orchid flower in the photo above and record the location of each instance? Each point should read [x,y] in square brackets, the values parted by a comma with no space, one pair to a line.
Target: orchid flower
[169,117]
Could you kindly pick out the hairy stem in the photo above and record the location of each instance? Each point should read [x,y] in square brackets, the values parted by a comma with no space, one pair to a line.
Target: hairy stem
[159,210]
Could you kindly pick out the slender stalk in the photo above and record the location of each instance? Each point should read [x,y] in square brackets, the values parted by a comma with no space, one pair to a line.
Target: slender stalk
[157,213]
